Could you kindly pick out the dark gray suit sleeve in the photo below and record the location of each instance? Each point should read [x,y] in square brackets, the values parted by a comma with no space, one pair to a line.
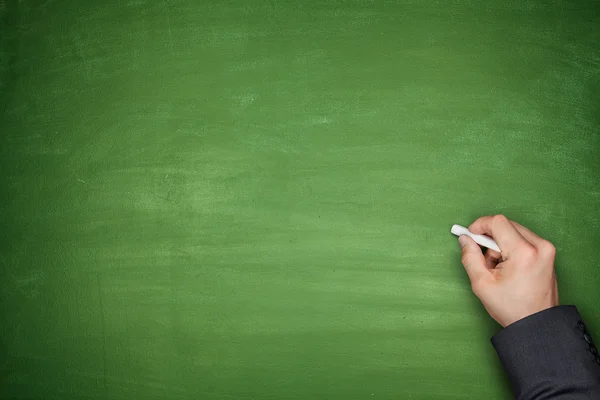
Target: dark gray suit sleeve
[550,355]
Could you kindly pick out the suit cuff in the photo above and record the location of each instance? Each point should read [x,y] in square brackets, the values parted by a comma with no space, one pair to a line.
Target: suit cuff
[549,350]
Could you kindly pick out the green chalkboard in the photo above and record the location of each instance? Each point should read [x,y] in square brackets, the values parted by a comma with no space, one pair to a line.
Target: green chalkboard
[252,199]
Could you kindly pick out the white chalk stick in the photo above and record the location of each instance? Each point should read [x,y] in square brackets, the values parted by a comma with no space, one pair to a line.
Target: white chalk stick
[481,240]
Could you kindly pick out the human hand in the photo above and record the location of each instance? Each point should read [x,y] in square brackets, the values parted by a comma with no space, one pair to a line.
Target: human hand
[517,282]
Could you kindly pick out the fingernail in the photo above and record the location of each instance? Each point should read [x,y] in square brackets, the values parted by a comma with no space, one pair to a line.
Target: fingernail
[462,240]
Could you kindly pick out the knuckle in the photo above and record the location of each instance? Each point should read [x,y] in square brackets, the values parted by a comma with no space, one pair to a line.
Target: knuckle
[499,218]
[465,259]
[547,249]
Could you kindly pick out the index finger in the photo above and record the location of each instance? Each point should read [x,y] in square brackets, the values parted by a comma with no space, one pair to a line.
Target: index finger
[500,229]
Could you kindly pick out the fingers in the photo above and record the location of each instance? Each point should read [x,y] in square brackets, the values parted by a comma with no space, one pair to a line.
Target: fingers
[473,261]
[527,234]
[492,258]
[499,228]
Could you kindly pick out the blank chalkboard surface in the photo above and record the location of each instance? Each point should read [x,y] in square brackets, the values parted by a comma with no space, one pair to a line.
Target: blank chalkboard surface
[252,199]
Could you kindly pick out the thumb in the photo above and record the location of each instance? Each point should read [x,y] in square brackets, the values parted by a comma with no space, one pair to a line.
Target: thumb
[473,260]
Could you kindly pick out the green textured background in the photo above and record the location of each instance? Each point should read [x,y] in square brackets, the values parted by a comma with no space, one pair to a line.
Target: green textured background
[252,199]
